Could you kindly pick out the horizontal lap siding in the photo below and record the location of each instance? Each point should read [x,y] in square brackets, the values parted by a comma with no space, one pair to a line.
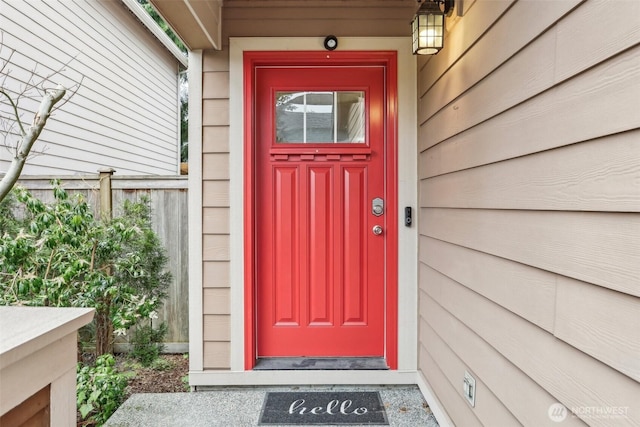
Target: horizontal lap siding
[529,168]
[215,210]
[124,114]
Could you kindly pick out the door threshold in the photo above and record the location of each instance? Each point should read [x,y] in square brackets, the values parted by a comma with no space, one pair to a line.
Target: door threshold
[321,364]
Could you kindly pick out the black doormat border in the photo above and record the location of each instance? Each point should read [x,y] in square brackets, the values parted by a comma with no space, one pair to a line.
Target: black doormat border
[331,408]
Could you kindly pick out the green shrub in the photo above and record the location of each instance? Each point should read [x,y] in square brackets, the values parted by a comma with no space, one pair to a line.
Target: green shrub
[147,343]
[100,389]
[7,218]
[59,254]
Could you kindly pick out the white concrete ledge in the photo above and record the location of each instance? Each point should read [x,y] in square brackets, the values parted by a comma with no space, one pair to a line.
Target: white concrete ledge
[38,347]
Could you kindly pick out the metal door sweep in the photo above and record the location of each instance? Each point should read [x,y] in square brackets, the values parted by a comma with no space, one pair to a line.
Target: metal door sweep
[320,363]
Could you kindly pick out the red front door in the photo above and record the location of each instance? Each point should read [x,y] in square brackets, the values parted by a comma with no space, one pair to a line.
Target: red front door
[321,206]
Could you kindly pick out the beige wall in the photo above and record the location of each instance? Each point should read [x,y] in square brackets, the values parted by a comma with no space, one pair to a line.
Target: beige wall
[215,209]
[529,169]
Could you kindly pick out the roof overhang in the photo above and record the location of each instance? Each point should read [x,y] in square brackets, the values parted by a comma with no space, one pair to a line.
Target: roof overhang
[196,22]
[151,25]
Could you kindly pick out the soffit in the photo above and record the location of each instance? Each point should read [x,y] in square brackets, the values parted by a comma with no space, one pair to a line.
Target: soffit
[196,22]
[199,22]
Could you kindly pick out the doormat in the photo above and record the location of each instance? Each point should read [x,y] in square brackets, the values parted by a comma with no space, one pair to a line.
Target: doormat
[323,408]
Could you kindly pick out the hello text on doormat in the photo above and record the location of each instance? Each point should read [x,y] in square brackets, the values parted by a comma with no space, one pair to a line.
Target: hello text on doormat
[323,408]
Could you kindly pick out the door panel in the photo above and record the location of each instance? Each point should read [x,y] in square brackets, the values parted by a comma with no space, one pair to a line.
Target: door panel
[320,282]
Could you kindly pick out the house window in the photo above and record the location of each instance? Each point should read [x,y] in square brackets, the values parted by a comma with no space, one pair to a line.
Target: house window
[320,117]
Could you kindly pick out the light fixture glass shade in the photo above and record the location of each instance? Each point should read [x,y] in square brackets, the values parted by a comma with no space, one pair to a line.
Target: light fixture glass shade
[428,29]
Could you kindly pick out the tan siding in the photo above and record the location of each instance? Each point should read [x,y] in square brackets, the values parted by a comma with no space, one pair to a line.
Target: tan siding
[600,248]
[508,33]
[489,409]
[119,117]
[215,112]
[217,355]
[215,247]
[216,301]
[529,404]
[611,335]
[215,193]
[529,193]
[555,365]
[478,103]
[575,111]
[217,274]
[477,20]
[215,221]
[599,175]
[528,292]
[217,328]
[215,61]
[216,85]
[215,213]
[215,166]
[215,139]
[623,32]
[457,409]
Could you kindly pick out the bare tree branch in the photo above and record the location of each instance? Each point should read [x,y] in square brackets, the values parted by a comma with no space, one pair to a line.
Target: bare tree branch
[15,111]
[29,138]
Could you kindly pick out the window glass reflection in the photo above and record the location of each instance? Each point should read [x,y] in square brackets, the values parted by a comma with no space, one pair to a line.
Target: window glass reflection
[320,117]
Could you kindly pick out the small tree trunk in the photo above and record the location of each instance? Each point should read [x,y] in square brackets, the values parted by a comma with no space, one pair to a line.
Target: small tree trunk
[104,333]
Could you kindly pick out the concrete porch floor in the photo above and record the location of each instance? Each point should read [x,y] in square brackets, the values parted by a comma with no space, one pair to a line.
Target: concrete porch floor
[241,406]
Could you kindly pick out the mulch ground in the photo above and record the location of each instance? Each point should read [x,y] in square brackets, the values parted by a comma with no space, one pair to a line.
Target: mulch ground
[166,375]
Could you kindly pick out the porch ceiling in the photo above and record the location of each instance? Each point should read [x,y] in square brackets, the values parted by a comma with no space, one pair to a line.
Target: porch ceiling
[199,23]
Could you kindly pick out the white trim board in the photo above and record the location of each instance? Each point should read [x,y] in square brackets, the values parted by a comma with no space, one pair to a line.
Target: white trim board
[155,29]
[305,377]
[196,334]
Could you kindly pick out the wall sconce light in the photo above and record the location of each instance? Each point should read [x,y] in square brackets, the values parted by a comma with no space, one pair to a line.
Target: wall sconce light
[428,26]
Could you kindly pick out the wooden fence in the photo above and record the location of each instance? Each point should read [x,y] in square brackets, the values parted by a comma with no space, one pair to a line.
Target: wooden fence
[169,212]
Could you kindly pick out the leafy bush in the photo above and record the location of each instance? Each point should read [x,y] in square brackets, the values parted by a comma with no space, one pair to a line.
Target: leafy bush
[7,217]
[100,389]
[147,343]
[59,254]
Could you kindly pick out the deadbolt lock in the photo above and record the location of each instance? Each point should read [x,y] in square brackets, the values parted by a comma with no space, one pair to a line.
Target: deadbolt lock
[377,206]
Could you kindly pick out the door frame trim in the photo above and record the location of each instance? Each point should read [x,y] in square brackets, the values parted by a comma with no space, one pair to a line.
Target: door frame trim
[252,59]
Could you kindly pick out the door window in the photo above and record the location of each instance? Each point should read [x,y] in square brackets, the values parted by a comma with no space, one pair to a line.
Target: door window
[320,117]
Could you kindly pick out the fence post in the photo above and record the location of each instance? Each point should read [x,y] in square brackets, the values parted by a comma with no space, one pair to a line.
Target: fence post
[105,192]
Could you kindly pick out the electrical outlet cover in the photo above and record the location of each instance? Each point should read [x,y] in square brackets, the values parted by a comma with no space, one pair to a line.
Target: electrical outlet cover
[469,388]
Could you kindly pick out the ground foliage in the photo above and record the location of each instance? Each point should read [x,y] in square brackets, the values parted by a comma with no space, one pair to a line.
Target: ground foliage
[147,343]
[100,390]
